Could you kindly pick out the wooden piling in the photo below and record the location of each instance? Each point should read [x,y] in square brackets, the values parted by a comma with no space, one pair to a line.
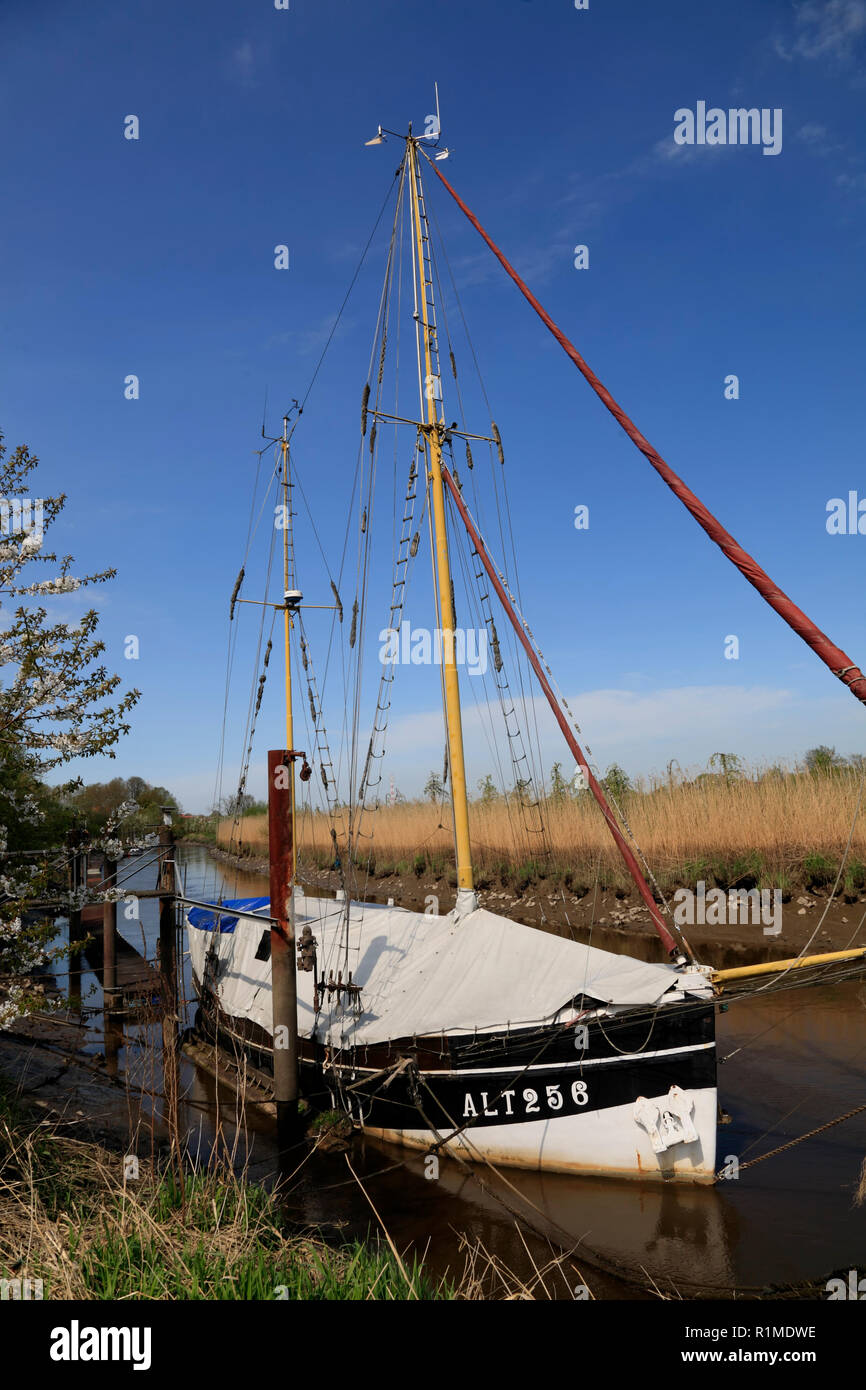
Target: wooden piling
[77,860]
[109,937]
[168,978]
[77,863]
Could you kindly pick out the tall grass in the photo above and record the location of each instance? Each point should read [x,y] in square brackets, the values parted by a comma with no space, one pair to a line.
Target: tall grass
[68,1217]
[771,826]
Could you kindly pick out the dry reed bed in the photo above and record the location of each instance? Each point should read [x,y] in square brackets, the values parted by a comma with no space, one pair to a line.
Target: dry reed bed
[777,824]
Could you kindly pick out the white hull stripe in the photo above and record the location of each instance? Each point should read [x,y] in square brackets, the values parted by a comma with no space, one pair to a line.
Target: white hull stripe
[576,1065]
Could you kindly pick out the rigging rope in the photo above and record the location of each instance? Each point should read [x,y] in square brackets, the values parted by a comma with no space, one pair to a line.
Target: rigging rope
[833,657]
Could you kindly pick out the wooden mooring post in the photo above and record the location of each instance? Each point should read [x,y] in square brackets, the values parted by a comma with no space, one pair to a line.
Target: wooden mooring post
[109,939]
[284,990]
[112,1030]
[76,842]
[168,976]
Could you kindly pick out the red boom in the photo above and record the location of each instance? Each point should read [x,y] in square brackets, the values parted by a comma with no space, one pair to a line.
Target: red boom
[832,656]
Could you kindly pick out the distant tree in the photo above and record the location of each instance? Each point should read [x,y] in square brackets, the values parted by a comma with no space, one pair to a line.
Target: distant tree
[616,782]
[97,801]
[434,788]
[823,760]
[776,773]
[158,796]
[730,764]
[237,804]
[487,788]
[560,789]
[522,789]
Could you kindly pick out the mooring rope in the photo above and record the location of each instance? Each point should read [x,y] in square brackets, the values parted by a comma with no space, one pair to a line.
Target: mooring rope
[810,1134]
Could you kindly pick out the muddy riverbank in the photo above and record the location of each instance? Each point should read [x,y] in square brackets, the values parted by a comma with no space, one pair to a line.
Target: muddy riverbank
[612,920]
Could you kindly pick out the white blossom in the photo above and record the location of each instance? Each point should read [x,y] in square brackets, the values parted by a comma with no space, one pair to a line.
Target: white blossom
[10,1007]
[64,584]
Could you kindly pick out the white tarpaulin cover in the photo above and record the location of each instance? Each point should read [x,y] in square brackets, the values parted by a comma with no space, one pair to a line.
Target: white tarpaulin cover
[422,974]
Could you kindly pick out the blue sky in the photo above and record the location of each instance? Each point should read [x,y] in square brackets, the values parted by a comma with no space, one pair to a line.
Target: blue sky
[155,257]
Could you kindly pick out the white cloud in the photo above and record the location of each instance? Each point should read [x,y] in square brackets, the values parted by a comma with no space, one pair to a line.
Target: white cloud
[825,30]
[243,62]
[642,730]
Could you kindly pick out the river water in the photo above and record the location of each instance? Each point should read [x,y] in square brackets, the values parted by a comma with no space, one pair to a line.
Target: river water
[789,1062]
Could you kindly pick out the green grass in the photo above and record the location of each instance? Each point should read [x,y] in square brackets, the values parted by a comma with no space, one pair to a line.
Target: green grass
[137,1266]
[67,1215]
[855,879]
[819,871]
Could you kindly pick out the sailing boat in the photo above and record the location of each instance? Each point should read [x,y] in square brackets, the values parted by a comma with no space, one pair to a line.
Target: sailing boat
[467,1032]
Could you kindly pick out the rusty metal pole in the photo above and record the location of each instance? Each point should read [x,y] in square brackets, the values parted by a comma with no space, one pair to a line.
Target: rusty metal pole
[283,980]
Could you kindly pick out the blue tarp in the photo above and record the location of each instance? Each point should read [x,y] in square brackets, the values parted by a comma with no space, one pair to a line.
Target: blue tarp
[206,920]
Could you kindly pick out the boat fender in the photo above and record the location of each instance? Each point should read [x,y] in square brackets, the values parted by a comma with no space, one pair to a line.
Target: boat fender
[647,1116]
[682,1107]
[668,1123]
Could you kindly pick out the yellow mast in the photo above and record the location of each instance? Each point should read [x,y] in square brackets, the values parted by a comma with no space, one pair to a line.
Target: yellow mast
[287,627]
[433,433]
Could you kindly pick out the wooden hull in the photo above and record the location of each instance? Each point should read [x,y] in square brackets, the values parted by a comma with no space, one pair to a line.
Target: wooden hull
[526,1098]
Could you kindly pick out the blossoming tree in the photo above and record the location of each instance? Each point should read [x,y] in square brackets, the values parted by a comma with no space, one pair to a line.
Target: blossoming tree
[57,702]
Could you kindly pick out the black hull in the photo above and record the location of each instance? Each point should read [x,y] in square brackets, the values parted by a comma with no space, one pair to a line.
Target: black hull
[515,1093]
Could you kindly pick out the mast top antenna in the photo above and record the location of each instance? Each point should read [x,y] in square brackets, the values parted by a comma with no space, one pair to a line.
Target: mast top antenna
[432,131]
